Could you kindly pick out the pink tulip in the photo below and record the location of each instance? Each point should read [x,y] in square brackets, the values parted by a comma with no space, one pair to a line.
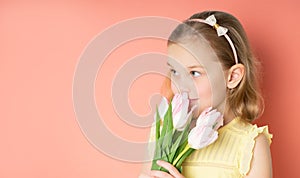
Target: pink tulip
[163,107]
[180,104]
[210,118]
[205,131]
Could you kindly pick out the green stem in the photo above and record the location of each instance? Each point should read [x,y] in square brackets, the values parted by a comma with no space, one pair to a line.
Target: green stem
[186,148]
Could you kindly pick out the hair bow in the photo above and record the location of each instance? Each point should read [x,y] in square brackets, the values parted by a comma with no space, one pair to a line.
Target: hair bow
[212,21]
[221,31]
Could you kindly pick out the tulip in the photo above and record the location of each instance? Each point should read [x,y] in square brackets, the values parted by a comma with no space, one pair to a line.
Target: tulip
[180,105]
[210,118]
[163,107]
[180,114]
[205,131]
[174,139]
[173,131]
[203,134]
[200,137]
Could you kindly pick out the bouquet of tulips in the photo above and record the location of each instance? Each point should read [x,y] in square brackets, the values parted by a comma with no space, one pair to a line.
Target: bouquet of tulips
[175,141]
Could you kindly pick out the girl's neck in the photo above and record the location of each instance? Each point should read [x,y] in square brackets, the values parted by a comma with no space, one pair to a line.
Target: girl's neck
[228,117]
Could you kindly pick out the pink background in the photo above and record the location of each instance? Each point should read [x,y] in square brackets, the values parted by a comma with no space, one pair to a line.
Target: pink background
[40,45]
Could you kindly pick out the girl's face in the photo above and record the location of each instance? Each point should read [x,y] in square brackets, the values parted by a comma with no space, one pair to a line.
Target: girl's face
[195,69]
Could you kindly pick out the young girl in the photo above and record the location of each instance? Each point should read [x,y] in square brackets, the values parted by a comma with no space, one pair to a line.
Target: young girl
[210,59]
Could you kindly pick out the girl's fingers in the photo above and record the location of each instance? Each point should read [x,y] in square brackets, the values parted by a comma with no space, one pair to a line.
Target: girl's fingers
[172,170]
[145,176]
[160,174]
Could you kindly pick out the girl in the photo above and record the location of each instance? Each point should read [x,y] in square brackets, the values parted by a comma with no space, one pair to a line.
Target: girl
[210,59]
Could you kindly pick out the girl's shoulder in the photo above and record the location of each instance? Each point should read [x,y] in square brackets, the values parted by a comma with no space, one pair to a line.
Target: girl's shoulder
[231,153]
[248,135]
[242,128]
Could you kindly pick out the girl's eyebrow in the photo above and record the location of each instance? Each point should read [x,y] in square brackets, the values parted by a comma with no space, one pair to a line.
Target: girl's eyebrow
[191,67]
[195,66]
[169,64]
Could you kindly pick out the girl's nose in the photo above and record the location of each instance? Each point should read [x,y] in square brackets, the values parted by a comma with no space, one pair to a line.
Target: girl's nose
[185,85]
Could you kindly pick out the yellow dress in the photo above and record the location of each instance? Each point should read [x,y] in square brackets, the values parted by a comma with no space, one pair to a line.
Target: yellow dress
[229,156]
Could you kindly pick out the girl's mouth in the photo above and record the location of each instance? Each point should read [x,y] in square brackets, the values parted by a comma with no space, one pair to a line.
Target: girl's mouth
[192,103]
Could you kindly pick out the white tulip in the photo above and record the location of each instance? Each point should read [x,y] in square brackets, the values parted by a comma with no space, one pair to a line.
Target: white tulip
[205,131]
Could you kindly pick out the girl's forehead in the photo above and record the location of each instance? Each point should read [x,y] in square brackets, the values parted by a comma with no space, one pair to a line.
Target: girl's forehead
[200,54]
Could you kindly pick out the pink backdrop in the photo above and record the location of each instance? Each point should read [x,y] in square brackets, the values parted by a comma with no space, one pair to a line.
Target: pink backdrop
[40,45]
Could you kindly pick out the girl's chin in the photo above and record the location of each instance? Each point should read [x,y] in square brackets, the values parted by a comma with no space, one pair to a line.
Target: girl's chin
[194,103]
[196,113]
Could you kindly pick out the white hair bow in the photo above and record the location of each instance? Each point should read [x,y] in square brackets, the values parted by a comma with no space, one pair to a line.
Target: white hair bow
[212,21]
[221,31]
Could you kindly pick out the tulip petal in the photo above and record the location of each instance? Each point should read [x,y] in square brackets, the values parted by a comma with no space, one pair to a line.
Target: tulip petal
[180,105]
[163,107]
[205,131]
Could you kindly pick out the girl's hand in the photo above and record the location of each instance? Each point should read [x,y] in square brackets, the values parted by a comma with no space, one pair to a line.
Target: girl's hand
[173,172]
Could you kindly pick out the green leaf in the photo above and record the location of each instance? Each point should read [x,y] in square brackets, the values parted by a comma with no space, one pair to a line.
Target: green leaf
[170,142]
[174,149]
[184,156]
[179,147]
[154,165]
[164,158]
[157,124]
[165,143]
[169,130]
[168,118]
[157,154]
[176,134]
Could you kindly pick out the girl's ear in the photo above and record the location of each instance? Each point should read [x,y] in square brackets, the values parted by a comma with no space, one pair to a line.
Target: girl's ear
[235,75]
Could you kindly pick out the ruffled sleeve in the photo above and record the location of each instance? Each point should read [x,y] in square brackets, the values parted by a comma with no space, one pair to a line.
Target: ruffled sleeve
[246,153]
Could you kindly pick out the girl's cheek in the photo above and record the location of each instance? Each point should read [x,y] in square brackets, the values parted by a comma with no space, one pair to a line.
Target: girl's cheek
[174,88]
[204,92]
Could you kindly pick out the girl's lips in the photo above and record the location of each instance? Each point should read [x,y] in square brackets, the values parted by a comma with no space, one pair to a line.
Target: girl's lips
[192,103]
[193,100]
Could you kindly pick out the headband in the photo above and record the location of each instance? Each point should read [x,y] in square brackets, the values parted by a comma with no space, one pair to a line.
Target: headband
[221,31]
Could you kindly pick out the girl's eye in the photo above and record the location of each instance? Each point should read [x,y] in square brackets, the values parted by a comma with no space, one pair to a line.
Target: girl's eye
[195,73]
[174,72]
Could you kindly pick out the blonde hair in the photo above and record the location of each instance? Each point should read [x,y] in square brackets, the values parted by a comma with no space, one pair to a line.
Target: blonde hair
[245,100]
